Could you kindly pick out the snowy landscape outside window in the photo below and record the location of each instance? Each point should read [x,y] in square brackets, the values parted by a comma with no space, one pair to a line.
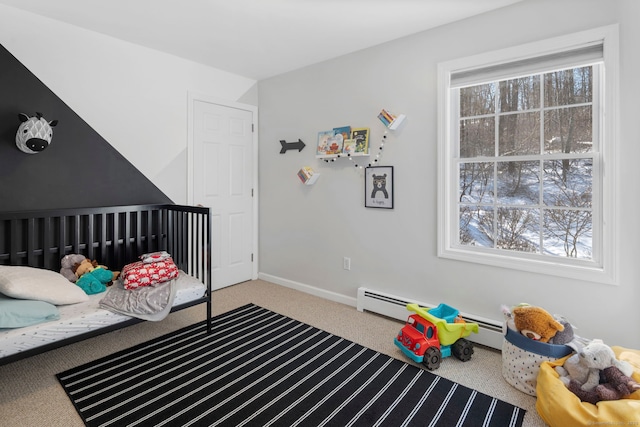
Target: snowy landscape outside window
[522,146]
[525,162]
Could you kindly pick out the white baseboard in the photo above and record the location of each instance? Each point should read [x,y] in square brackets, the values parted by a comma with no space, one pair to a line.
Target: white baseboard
[312,290]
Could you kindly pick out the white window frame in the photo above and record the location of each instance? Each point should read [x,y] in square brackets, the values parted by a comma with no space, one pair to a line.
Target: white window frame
[600,270]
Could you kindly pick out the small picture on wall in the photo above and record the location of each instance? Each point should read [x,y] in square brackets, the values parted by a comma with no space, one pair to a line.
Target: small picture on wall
[378,187]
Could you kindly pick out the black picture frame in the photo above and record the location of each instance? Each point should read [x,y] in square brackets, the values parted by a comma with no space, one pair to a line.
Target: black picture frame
[378,187]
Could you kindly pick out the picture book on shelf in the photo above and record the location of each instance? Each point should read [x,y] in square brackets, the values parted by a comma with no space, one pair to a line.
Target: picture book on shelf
[345,131]
[349,146]
[323,141]
[361,136]
[329,143]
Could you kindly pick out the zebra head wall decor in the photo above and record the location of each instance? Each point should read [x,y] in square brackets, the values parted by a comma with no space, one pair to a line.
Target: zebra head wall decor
[34,134]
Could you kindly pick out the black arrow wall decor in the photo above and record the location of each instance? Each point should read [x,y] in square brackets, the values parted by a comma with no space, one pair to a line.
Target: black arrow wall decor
[291,146]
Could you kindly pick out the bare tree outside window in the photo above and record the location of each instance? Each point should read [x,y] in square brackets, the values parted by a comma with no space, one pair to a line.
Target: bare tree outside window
[526,160]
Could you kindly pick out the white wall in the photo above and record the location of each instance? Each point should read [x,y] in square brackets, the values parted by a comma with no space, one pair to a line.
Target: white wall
[135,98]
[307,230]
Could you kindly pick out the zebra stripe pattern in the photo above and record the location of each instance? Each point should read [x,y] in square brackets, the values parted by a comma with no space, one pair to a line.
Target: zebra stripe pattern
[259,368]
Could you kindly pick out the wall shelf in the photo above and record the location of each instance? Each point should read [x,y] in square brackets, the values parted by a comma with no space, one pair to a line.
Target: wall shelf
[391,121]
[307,175]
[334,156]
[397,122]
[343,142]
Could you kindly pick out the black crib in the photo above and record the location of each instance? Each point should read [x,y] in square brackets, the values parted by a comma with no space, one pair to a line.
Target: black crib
[114,236]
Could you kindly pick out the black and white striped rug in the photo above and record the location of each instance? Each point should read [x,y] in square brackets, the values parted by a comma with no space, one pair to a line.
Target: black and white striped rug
[259,368]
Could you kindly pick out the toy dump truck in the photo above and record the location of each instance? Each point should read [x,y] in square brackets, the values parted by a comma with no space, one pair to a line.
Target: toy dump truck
[431,334]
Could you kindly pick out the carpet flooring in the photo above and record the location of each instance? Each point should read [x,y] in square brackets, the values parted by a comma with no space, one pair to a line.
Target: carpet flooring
[260,368]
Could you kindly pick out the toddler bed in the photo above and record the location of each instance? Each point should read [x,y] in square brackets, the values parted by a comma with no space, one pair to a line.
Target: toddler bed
[114,236]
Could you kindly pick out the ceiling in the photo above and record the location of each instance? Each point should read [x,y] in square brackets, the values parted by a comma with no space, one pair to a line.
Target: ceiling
[258,38]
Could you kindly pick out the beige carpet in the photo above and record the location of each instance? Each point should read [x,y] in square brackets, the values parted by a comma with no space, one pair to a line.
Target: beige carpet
[31,396]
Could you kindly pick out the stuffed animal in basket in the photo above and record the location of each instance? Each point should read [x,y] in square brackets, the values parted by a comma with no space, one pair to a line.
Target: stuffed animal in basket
[535,323]
[93,278]
[565,336]
[594,374]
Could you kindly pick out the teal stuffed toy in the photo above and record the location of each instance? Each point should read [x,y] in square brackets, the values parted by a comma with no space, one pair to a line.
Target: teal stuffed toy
[91,279]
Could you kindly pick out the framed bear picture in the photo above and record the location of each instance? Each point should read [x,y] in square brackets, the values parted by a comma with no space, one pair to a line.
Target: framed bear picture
[378,187]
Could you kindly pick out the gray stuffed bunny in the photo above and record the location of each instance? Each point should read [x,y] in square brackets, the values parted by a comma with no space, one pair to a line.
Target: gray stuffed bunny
[67,264]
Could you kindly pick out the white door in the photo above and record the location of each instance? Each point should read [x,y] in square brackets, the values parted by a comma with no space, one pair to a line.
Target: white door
[222,180]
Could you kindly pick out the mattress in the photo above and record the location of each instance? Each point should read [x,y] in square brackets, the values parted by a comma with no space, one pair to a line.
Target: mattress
[77,319]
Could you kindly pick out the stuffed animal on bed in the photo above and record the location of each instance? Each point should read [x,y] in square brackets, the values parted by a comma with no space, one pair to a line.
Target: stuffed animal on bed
[93,278]
[594,374]
[68,264]
[613,385]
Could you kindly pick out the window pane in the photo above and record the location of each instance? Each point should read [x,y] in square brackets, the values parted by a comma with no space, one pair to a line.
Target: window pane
[477,100]
[518,183]
[520,94]
[568,182]
[518,230]
[519,134]
[476,226]
[568,130]
[477,137]
[567,87]
[568,233]
[476,183]
[527,141]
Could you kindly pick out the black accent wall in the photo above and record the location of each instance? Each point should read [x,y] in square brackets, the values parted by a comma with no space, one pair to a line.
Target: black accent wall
[78,169]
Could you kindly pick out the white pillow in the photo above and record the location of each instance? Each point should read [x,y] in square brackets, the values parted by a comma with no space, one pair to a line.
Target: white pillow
[39,284]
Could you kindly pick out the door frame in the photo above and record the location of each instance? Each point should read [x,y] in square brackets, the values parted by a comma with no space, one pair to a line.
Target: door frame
[192,98]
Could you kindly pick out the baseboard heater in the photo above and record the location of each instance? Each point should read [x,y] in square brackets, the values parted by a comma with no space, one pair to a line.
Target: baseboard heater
[490,332]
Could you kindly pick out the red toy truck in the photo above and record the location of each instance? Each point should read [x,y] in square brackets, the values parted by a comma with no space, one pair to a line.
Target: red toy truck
[431,334]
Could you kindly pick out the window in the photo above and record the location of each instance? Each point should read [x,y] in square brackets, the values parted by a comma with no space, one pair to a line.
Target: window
[523,141]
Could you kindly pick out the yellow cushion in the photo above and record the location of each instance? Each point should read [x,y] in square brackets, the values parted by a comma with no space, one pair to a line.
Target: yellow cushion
[560,407]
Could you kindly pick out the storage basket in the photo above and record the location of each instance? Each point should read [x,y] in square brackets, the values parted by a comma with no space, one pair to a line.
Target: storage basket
[522,356]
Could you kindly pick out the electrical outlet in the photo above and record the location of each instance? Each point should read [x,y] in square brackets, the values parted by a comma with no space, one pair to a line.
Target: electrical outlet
[346,263]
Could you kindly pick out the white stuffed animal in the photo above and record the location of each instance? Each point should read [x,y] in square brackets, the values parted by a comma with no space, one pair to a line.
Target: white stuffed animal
[585,366]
